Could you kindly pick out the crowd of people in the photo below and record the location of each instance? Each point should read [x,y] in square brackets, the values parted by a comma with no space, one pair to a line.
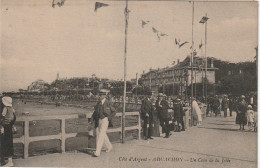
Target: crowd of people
[245,108]
[154,112]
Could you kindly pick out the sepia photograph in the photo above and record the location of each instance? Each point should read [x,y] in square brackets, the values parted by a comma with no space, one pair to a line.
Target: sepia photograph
[128,83]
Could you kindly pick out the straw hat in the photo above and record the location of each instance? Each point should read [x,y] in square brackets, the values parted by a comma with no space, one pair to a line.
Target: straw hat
[242,97]
[250,107]
[7,101]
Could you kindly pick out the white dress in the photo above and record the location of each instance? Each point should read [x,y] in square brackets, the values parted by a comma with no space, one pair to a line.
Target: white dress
[250,115]
[196,108]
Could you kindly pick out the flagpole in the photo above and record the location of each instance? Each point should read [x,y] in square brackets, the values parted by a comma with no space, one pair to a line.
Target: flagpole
[202,71]
[125,73]
[206,87]
[136,84]
[192,61]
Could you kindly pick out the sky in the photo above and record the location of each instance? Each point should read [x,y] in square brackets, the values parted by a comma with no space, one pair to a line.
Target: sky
[37,41]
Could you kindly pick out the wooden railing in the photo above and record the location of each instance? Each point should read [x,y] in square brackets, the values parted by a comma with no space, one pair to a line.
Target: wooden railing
[26,139]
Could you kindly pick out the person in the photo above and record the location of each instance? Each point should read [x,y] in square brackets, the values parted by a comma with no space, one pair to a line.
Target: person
[178,114]
[147,117]
[215,105]
[225,105]
[196,109]
[230,106]
[209,106]
[241,109]
[8,118]
[255,120]
[163,114]
[250,117]
[104,112]
[251,99]
[2,159]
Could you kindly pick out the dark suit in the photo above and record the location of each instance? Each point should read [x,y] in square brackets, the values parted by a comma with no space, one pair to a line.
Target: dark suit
[178,115]
[147,116]
[230,106]
[216,105]
[163,115]
[225,106]
[102,111]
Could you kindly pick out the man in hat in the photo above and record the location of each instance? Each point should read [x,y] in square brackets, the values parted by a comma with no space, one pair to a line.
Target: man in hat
[178,114]
[225,105]
[163,114]
[215,105]
[230,105]
[104,113]
[241,110]
[147,117]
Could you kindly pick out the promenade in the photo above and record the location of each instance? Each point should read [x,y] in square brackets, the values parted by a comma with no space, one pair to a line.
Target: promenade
[217,143]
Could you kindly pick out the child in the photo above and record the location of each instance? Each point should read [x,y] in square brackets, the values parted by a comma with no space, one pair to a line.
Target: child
[7,120]
[250,117]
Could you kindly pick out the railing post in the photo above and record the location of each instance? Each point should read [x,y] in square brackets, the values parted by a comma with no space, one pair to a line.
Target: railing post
[63,136]
[139,127]
[26,139]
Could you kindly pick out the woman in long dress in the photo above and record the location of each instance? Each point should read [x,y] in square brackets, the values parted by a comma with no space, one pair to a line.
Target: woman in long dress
[7,120]
[196,109]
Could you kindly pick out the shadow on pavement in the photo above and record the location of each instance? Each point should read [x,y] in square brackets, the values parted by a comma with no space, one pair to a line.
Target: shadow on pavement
[228,129]
[219,124]
[87,151]
[221,129]
[228,121]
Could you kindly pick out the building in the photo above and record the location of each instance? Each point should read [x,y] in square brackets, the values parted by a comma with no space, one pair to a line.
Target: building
[37,86]
[179,75]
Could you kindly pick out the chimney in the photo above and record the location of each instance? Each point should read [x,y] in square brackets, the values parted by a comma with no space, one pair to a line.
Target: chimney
[178,61]
[212,65]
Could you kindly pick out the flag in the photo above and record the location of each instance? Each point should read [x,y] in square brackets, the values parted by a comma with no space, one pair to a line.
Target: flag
[183,44]
[60,3]
[204,19]
[144,23]
[99,5]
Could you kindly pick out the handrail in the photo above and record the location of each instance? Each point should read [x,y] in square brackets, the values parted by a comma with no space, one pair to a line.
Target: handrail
[26,139]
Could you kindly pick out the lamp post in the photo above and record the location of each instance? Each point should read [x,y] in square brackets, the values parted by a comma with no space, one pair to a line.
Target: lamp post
[204,20]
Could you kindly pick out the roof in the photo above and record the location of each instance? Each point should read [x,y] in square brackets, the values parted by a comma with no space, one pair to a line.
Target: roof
[198,61]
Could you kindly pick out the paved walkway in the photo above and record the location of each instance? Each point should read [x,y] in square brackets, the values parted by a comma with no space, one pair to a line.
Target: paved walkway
[217,143]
